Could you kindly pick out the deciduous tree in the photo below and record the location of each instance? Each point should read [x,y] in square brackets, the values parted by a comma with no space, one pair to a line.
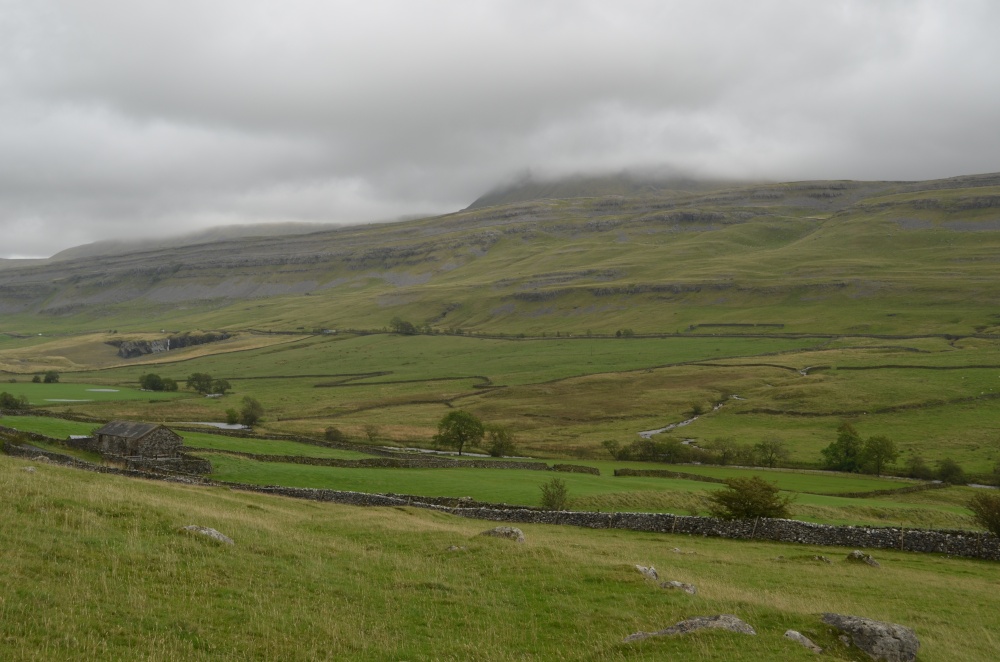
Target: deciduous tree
[746,498]
[844,454]
[459,429]
[251,411]
[877,452]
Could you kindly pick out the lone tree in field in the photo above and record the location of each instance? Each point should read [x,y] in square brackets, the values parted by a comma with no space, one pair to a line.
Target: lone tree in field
[845,453]
[51,377]
[877,452]
[746,498]
[986,509]
[459,428]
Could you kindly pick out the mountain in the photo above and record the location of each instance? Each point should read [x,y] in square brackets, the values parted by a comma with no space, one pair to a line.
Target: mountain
[216,234]
[528,188]
[814,256]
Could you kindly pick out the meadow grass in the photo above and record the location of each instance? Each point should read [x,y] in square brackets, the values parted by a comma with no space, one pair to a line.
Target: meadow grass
[205,440]
[96,567]
[587,492]
[72,394]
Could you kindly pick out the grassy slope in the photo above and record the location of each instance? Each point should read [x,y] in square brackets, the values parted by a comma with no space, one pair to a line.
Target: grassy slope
[95,568]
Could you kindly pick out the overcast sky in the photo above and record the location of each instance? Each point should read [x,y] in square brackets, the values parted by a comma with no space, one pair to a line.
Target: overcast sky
[132,118]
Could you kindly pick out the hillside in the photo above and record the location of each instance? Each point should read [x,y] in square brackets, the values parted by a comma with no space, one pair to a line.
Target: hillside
[874,257]
[98,567]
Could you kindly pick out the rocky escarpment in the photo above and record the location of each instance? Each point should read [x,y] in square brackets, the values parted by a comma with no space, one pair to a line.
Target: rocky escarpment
[130,349]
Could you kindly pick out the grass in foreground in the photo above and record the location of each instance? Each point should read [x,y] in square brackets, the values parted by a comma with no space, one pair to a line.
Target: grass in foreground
[95,568]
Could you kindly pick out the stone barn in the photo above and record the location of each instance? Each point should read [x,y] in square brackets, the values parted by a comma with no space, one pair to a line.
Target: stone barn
[131,439]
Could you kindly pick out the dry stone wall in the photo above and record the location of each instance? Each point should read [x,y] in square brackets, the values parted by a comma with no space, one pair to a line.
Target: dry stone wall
[969,544]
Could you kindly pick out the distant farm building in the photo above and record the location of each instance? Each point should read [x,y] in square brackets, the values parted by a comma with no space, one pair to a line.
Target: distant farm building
[144,446]
[130,439]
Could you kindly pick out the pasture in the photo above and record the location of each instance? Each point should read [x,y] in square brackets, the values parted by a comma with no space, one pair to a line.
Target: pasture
[96,567]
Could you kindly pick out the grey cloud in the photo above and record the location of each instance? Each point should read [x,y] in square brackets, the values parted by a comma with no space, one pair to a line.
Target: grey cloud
[140,116]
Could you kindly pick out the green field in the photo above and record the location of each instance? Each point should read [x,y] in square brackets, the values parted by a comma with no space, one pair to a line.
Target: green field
[95,567]
[72,394]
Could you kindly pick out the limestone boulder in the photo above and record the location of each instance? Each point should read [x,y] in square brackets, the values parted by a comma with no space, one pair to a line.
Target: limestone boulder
[208,533]
[857,556]
[507,532]
[890,642]
[649,572]
[800,638]
[690,589]
[719,622]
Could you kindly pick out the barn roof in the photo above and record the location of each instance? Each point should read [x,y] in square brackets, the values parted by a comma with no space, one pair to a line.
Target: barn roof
[127,429]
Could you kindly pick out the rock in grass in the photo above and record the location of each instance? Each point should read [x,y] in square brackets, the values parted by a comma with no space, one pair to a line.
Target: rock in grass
[30,470]
[882,641]
[802,639]
[857,556]
[687,588]
[508,532]
[648,572]
[211,533]
[720,622]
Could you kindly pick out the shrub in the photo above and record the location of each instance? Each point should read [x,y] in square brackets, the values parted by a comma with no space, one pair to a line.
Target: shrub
[334,434]
[8,401]
[746,498]
[372,433]
[500,441]
[151,382]
[770,452]
[950,472]
[232,417]
[616,450]
[986,510]
[916,467]
[51,377]
[251,411]
[555,494]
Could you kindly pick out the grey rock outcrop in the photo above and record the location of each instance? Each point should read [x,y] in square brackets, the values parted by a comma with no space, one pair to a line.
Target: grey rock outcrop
[649,572]
[880,640]
[210,533]
[720,622]
[798,637]
[857,556]
[508,532]
[690,589]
